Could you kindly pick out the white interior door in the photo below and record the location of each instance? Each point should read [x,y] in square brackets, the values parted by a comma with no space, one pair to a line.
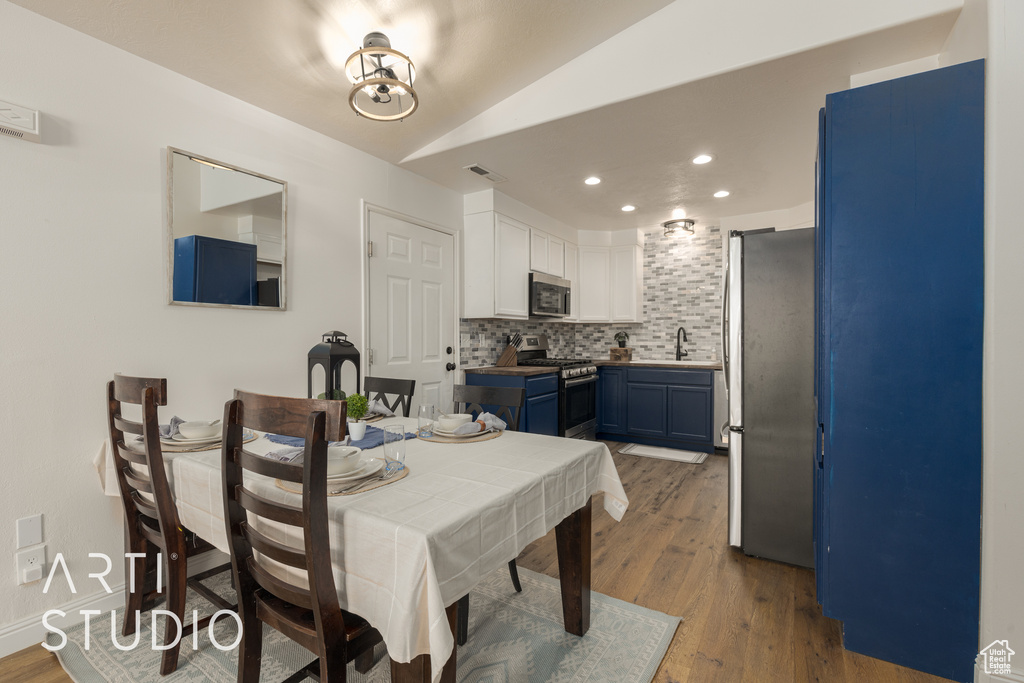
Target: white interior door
[412,307]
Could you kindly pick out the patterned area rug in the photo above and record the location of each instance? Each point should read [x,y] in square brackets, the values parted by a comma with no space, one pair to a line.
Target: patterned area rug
[513,637]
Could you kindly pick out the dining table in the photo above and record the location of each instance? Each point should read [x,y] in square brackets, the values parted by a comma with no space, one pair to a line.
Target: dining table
[404,553]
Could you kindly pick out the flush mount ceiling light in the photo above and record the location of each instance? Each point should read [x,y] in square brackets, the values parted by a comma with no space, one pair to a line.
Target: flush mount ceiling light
[702,159]
[592,180]
[628,207]
[722,193]
[678,225]
[382,81]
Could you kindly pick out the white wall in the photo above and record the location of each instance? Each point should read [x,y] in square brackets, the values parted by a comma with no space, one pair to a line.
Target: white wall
[1002,556]
[84,271]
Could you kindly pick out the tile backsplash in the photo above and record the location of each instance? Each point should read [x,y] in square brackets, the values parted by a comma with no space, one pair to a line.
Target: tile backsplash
[682,287]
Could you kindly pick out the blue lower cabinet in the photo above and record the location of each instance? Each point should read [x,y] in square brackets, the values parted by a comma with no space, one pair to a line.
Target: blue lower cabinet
[611,400]
[656,406]
[214,271]
[689,413]
[540,413]
[645,409]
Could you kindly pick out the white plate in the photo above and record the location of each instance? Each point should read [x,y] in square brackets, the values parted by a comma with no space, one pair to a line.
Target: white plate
[178,438]
[453,435]
[367,468]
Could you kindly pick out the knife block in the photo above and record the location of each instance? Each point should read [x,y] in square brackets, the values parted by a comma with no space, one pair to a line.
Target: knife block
[509,357]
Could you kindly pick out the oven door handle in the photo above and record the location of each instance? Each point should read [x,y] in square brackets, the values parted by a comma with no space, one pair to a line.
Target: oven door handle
[576,381]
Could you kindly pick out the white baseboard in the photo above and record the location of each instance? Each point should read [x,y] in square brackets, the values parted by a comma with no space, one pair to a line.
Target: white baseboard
[30,631]
[1015,676]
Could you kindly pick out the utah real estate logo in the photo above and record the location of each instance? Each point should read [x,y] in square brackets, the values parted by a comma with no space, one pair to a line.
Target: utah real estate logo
[997,657]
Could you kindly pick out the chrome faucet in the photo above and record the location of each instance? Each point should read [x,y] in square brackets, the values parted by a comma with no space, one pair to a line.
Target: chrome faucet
[680,351]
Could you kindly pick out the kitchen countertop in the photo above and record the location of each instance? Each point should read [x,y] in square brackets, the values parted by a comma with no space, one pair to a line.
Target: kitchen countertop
[512,370]
[680,364]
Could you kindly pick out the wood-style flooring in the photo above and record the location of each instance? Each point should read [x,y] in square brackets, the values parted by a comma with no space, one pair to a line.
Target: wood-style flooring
[745,619]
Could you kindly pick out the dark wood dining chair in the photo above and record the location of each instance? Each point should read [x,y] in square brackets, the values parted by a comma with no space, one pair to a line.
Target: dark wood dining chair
[377,388]
[504,402]
[152,530]
[507,404]
[308,614]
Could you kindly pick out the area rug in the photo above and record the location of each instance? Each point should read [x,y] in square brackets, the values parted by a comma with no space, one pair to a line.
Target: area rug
[692,457]
[513,637]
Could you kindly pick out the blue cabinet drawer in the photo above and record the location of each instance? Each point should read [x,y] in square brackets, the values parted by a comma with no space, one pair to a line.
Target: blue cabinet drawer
[541,384]
[660,376]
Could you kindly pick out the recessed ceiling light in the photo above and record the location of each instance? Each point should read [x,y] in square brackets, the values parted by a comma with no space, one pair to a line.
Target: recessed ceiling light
[722,193]
[629,207]
[592,180]
[702,159]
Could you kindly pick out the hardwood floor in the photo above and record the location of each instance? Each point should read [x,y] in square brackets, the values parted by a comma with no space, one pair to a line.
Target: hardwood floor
[745,619]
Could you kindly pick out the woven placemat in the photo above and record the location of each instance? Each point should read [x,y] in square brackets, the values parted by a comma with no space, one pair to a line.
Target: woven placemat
[436,438]
[369,485]
[375,418]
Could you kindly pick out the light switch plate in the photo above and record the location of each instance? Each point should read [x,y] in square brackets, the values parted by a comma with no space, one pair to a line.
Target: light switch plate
[30,531]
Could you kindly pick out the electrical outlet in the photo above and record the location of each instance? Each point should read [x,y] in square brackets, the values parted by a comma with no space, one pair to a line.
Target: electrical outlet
[31,563]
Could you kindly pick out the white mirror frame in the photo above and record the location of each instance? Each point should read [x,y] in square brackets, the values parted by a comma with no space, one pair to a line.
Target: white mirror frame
[171,151]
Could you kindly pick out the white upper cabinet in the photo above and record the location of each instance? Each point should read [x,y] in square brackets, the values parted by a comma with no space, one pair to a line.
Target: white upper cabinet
[496,257]
[547,253]
[572,275]
[595,284]
[626,283]
[610,278]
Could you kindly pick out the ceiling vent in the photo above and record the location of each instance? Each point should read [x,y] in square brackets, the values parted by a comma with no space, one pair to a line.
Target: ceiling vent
[19,122]
[484,173]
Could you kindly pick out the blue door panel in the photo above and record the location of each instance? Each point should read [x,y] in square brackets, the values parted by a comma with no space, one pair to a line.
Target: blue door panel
[646,409]
[899,367]
[542,414]
[689,413]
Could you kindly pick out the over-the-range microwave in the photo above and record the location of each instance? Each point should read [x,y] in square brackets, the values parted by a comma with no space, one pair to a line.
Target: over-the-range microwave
[550,296]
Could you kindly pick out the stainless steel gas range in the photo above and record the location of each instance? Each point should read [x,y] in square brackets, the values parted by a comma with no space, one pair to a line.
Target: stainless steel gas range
[577,387]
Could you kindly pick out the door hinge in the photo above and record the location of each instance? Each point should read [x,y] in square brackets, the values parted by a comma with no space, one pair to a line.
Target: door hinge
[369,356]
[369,249]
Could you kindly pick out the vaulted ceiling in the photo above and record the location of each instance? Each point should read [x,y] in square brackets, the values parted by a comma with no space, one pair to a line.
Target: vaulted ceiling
[546,93]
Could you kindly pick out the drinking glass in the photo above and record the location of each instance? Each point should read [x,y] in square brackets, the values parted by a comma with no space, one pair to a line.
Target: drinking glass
[426,420]
[394,447]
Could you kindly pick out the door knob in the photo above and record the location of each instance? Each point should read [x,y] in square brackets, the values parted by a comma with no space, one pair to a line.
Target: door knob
[449,367]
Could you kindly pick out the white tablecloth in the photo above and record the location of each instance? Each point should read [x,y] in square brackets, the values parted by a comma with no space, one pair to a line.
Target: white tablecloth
[403,552]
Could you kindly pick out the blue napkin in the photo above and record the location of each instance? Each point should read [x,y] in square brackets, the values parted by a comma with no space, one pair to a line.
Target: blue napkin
[374,437]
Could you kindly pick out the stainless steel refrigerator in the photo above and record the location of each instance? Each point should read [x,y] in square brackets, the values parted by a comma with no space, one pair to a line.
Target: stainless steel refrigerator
[769,362]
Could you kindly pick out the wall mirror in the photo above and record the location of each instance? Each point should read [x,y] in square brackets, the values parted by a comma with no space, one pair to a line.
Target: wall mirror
[227,229]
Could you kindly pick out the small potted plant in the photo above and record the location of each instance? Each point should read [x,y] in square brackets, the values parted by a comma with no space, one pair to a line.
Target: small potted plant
[622,337]
[357,405]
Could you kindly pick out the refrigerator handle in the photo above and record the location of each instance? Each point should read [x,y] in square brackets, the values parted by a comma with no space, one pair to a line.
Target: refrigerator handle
[725,326]
[819,454]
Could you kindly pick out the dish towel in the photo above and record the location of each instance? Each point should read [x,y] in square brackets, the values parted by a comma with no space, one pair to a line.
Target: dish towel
[377,407]
[374,437]
[485,422]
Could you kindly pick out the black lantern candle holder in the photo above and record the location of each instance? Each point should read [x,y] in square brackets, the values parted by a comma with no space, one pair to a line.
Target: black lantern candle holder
[331,354]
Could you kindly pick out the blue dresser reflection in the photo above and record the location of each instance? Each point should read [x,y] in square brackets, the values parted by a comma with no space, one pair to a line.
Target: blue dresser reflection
[214,271]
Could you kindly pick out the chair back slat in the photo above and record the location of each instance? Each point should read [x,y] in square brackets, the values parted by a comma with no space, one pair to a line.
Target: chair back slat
[144,506]
[129,389]
[268,467]
[504,402]
[129,455]
[288,416]
[377,388]
[127,426]
[282,589]
[260,506]
[272,549]
[138,481]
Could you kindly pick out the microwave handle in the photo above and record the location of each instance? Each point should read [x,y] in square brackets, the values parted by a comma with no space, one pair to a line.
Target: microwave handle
[568,303]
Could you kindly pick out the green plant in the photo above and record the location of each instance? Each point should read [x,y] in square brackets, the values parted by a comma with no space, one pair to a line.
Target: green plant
[336,395]
[357,404]
[621,336]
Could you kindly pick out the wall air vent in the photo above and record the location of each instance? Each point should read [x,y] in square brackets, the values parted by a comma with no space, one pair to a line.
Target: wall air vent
[19,122]
[484,173]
